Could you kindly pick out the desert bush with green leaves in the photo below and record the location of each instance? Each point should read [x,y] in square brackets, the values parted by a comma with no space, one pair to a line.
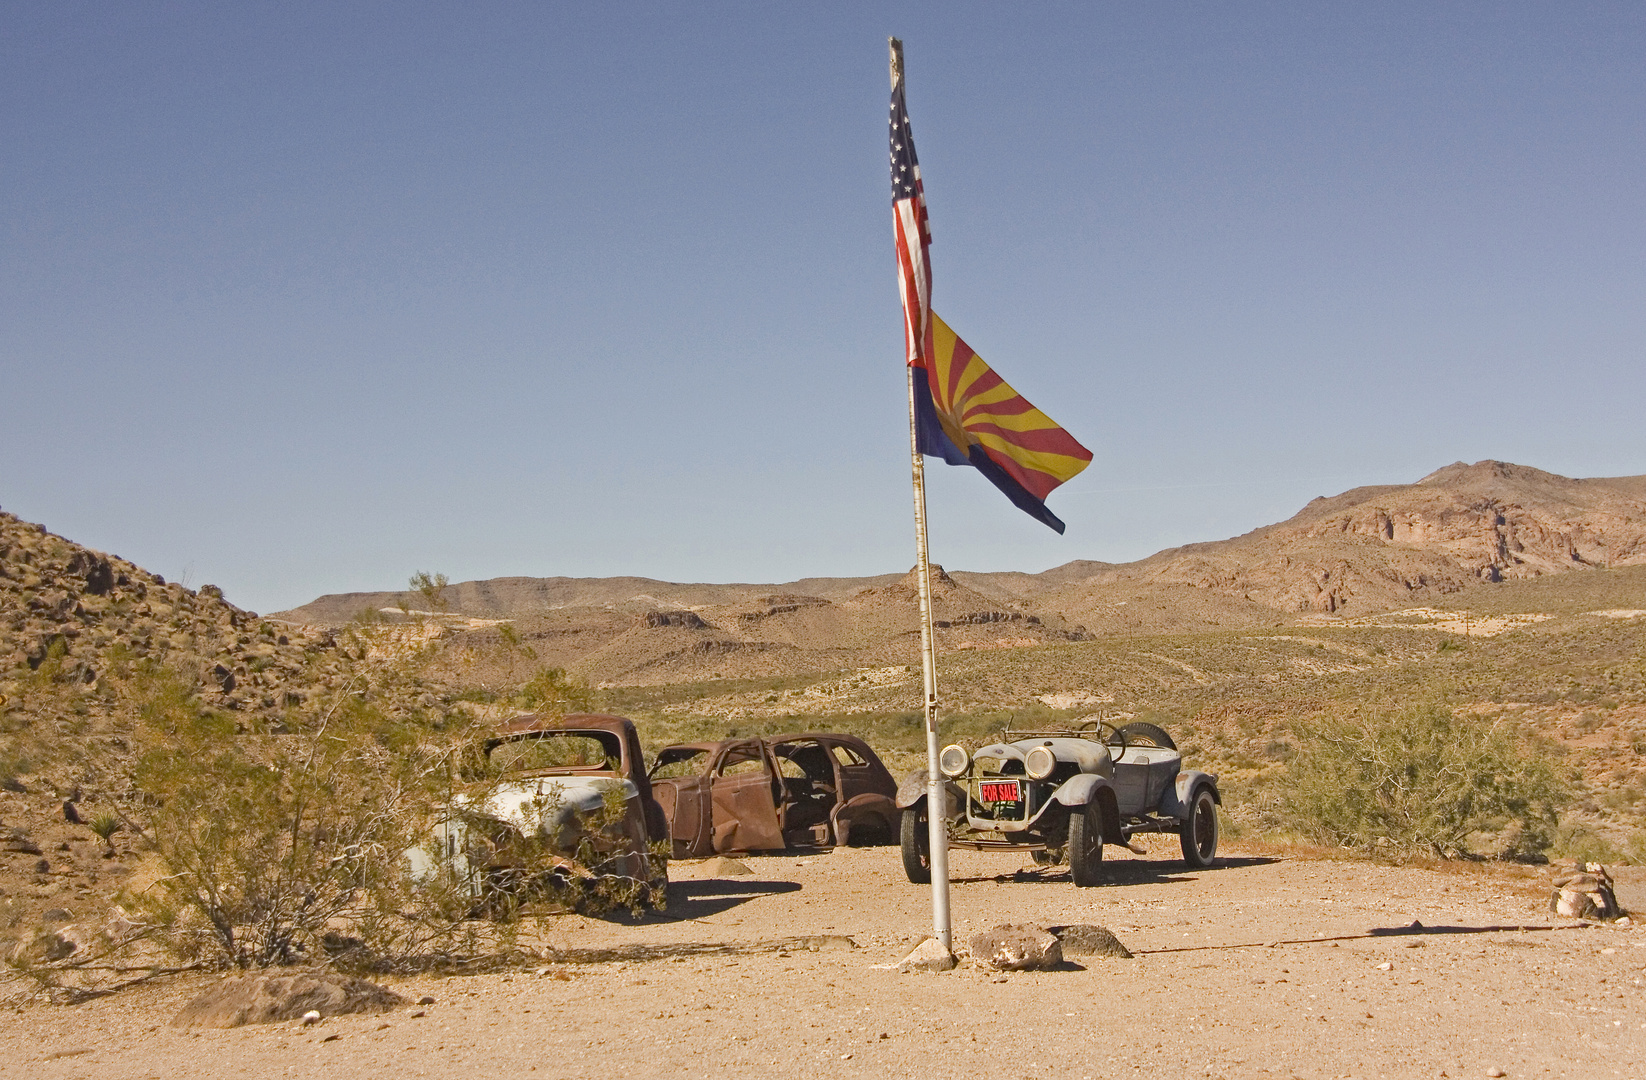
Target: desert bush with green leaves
[274,846]
[1422,780]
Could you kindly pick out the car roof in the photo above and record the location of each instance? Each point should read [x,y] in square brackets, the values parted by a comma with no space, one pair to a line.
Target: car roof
[798,736]
[618,725]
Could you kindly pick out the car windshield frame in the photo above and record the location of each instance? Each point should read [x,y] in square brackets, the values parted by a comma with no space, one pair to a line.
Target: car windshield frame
[614,765]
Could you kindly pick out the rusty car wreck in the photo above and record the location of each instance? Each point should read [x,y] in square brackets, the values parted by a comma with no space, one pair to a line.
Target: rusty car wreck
[1062,794]
[812,789]
[563,806]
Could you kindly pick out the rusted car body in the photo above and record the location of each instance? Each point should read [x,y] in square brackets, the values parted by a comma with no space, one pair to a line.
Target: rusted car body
[565,801]
[810,789]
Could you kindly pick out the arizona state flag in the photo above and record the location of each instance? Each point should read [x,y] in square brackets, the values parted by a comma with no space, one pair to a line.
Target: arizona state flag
[968,415]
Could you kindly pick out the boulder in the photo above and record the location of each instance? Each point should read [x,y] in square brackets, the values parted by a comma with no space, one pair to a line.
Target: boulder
[1084,939]
[1586,894]
[1017,948]
[268,998]
[929,955]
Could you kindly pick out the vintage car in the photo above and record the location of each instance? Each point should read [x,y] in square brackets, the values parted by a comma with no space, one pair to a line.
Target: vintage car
[1062,795]
[560,804]
[812,789]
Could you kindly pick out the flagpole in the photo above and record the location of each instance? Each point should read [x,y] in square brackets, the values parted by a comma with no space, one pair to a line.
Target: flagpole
[936,794]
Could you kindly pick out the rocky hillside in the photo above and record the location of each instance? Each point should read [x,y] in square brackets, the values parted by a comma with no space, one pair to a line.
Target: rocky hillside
[80,631]
[1375,547]
[68,613]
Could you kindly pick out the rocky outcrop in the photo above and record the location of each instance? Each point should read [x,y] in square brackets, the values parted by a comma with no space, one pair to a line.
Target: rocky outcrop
[1375,547]
[689,620]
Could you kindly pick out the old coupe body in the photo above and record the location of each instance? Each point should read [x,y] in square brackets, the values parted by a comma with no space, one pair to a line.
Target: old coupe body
[562,802]
[811,789]
[1062,795]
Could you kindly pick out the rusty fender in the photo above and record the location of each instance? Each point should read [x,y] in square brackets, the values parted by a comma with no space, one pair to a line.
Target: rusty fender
[869,805]
[912,792]
[1180,799]
[1080,789]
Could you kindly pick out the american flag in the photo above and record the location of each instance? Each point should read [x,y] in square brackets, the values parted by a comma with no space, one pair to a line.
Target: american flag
[914,268]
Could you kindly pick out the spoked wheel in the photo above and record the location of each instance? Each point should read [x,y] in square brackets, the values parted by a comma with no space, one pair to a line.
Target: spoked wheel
[1199,833]
[1142,733]
[1086,845]
[917,847]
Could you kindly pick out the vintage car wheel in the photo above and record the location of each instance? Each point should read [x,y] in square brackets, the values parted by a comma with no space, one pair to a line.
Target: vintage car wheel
[1086,845]
[917,848]
[1199,833]
[1142,733]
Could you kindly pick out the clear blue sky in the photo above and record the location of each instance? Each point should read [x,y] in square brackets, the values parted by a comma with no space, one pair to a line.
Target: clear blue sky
[302,297]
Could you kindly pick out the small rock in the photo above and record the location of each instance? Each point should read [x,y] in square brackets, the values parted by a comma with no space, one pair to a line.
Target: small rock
[929,955]
[1385,966]
[311,1017]
[71,814]
[426,999]
[1496,1072]
[1084,939]
[1624,920]
[331,1038]
[724,867]
[419,1014]
[64,942]
[57,915]
[1017,948]
[119,924]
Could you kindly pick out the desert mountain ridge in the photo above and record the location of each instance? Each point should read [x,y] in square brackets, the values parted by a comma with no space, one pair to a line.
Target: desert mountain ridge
[1365,551]
[1369,548]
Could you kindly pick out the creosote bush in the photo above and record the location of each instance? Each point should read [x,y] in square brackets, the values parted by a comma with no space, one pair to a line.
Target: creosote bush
[298,847]
[552,691]
[270,842]
[1420,779]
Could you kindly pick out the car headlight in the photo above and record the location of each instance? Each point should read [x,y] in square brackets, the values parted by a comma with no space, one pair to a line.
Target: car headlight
[953,760]
[1039,762]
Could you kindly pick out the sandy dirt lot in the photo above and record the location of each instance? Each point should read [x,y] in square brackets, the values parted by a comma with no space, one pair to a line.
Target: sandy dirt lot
[1260,967]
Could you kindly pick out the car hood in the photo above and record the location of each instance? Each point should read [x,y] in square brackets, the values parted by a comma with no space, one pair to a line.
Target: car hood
[527,803]
[1091,757]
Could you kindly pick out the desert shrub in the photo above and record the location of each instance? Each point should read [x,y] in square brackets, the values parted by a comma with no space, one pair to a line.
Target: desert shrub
[1574,840]
[105,826]
[552,691]
[432,589]
[271,842]
[331,840]
[1420,779]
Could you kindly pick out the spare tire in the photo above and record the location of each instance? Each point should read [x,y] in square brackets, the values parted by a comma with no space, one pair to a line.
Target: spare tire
[1142,733]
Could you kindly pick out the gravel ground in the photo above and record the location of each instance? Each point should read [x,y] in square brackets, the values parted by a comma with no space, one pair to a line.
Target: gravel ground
[1260,967]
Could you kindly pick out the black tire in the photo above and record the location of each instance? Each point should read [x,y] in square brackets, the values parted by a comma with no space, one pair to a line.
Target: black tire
[1142,733]
[1086,845]
[917,847]
[1199,833]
